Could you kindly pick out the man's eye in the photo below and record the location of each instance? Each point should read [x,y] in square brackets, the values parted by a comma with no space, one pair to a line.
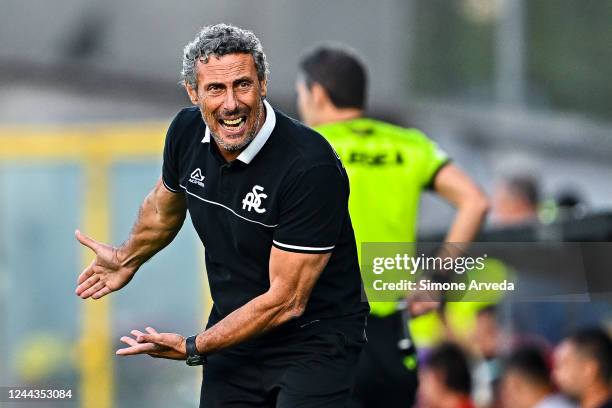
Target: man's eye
[244,84]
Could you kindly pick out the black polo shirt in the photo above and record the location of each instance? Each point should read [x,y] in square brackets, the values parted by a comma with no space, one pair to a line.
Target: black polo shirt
[286,189]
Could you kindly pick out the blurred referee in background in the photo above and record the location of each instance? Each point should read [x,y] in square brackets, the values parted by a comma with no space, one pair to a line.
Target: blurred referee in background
[388,167]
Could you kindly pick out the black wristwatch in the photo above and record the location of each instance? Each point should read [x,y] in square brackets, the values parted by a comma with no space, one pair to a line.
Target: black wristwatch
[193,357]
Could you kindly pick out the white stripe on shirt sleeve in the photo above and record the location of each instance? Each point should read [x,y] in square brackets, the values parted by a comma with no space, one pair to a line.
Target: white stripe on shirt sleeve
[303,248]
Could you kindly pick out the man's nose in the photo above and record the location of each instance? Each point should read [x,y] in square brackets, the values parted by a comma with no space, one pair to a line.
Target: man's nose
[230,103]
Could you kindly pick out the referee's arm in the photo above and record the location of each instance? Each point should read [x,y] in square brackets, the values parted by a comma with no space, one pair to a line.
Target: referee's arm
[471,203]
[292,277]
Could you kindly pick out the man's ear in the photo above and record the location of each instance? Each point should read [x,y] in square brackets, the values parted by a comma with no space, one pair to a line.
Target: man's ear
[191,92]
[263,88]
[319,95]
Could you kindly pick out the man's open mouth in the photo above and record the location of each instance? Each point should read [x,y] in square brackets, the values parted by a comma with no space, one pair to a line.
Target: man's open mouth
[233,125]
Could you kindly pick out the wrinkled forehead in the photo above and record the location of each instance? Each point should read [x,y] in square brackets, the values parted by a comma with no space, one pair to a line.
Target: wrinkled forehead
[226,68]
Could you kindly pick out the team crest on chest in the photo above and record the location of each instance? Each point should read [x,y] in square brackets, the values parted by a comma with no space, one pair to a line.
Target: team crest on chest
[253,200]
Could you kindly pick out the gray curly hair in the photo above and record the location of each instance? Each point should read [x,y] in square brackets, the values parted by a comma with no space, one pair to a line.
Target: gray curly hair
[219,40]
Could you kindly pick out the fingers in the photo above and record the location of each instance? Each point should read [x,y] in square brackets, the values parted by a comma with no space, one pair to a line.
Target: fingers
[136,333]
[128,340]
[138,345]
[157,345]
[93,289]
[102,292]
[87,284]
[87,272]
[87,241]
[151,338]
[142,337]
[135,347]
[87,280]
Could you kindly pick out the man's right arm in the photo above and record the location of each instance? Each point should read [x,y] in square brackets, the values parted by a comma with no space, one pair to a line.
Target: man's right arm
[160,218]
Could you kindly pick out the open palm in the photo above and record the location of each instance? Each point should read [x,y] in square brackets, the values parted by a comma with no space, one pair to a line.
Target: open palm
[105,274]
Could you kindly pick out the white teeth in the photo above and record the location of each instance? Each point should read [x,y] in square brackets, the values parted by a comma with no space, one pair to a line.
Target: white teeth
[232,122]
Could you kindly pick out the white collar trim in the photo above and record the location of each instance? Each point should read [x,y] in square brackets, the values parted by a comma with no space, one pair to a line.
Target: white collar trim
[260,138]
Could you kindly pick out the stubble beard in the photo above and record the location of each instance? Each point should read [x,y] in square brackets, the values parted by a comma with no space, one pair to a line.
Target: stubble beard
[236,147]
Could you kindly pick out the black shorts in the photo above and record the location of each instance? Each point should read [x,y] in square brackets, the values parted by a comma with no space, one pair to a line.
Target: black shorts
[297,367]
[382,379]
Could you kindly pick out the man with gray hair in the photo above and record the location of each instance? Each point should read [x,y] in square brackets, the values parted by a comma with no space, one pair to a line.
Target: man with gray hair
[269,200]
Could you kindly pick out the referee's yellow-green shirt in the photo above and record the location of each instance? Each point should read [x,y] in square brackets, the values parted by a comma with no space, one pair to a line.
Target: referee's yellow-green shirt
[388,168]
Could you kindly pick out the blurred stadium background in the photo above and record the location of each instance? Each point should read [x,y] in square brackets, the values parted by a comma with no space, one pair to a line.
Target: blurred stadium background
[87,89]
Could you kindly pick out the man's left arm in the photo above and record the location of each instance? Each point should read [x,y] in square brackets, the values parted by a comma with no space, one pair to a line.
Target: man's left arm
[292,277]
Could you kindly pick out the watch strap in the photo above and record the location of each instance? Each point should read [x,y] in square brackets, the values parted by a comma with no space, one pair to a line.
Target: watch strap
[193,357]
[190,345]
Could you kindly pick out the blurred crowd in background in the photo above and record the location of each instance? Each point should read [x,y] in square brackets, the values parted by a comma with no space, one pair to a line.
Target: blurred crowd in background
[555,353]
[516,91]
[527,374]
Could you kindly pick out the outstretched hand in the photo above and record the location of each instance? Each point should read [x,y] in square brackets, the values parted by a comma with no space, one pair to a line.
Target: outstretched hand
[105,274]
[157,345]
